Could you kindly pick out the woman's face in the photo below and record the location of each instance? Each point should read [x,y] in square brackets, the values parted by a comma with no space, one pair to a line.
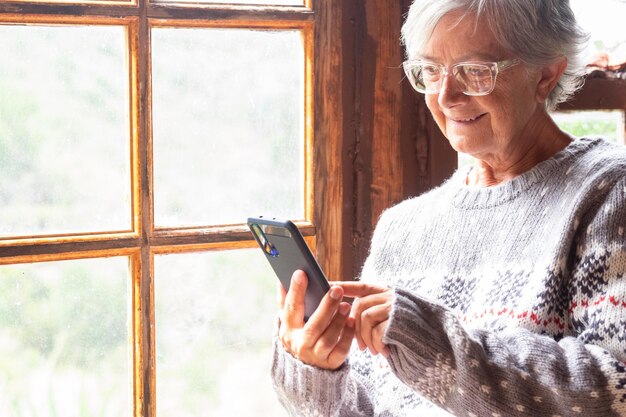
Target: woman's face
[490,126]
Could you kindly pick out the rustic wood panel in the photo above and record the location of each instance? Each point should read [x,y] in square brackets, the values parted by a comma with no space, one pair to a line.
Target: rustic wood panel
[379,166]
[599,94]
[230,13]
[55,251]
[397,142]
[188,11]
[334,134]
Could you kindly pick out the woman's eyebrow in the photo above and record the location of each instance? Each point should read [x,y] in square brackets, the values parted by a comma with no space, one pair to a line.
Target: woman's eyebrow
[469,56]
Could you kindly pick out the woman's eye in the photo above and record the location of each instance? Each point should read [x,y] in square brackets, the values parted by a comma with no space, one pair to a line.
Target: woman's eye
[476,71]
[430,71]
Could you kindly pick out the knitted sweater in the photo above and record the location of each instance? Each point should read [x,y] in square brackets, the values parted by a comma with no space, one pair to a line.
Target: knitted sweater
[508,301]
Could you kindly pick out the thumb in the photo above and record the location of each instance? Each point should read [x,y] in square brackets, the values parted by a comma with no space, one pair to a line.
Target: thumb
[293,311]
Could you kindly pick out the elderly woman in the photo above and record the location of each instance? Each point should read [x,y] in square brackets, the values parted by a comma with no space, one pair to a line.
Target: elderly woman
[502,292]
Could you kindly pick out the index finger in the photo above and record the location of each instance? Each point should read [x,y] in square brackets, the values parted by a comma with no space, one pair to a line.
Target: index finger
[359,289]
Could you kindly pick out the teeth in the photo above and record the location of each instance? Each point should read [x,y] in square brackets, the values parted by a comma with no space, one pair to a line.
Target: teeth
[467,120]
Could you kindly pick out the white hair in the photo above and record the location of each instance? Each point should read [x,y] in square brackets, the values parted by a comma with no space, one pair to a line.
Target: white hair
[536,31]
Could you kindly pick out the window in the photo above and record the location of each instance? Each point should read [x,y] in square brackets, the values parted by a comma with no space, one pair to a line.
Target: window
[137,137]
[600,108]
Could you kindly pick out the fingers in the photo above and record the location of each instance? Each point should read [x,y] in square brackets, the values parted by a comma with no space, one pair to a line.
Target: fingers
[371,332]
[325,339]
[281,294]
[377,339]
[321,319]
[338,355]
[293,309]
[329,339]
[371,314]
[359,289]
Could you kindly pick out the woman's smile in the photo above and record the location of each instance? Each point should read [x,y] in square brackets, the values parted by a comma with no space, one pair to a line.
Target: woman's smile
[466,120]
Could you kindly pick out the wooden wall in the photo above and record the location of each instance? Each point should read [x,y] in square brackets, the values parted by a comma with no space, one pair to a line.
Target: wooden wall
[375,140]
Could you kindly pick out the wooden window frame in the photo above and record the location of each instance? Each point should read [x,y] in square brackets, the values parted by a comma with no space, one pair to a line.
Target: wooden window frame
[143,241]
[601,91]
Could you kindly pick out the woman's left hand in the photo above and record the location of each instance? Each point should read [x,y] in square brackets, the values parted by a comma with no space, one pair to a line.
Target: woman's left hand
[370,309]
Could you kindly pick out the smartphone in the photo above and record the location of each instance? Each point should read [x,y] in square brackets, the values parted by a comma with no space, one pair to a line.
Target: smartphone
[286,251]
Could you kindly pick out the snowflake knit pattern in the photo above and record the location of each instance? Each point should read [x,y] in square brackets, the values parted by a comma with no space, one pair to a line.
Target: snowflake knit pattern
[509,301]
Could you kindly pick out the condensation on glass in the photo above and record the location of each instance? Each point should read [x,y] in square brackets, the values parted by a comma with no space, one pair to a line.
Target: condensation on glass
[64,129]
[228,117]
[64,339]
[214,315]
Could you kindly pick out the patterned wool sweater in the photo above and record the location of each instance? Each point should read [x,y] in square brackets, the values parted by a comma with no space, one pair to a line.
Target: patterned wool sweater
[509,301]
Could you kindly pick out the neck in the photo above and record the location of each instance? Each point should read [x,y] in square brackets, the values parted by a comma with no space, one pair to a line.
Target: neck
[523,154]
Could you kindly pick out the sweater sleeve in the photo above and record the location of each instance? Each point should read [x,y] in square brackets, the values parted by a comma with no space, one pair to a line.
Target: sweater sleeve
[514,372]
[308,391]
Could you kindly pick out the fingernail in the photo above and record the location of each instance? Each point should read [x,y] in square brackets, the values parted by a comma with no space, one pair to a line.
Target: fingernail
[335,293]
[344,309]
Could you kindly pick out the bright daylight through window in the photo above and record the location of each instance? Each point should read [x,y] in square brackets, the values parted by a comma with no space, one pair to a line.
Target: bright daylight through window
[132,149]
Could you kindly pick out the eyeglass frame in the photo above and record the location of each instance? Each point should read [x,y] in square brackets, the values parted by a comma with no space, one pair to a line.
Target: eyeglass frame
[494,67]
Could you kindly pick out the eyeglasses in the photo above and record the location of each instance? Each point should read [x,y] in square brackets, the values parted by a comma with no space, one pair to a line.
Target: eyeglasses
[474,78]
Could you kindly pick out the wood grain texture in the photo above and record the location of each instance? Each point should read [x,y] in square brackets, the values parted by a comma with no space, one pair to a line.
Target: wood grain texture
[334,134]
[599,94]
[172,10]
[397,139]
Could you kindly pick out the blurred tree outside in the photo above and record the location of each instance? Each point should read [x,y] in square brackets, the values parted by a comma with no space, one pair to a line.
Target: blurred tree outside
[228,115]
[233,145]
[214,317]
[64,332]
[64,130]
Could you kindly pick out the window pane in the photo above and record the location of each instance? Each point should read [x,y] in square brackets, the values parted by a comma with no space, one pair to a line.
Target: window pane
[608,124]
[214,319]
[64,331]
[64,141]
[604,20]
[228,125]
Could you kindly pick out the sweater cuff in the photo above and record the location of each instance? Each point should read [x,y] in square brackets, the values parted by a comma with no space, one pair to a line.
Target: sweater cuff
[306,390]
[420,349]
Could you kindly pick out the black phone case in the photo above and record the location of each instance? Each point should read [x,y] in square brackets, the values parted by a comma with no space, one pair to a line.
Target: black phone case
[292,253]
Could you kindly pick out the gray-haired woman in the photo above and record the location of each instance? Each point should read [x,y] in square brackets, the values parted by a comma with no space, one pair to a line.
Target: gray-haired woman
[502,292]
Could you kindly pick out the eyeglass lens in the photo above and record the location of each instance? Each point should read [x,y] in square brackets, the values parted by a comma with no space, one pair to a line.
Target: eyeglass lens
[472,78]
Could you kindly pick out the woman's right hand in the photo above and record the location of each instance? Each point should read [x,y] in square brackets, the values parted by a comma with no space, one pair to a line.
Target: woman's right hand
[324,340]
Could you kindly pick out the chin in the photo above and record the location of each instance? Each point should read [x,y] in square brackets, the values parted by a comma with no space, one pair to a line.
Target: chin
[460,144]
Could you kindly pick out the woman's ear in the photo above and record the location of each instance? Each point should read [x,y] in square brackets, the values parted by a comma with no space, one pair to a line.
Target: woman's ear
[550,75]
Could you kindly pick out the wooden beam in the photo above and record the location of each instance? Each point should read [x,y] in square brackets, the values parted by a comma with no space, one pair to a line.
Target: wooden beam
[599,94]
[334,134]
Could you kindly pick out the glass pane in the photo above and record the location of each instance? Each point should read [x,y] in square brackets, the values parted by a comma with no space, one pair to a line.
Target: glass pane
[64,331]
[228,125]
[64,141]
[608,124]
[604,20]
[214,318]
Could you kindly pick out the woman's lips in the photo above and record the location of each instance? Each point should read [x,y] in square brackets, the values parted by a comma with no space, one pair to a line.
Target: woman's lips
[467,120]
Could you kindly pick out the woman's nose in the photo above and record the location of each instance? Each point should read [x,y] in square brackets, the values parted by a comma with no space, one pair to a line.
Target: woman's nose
[450,92]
